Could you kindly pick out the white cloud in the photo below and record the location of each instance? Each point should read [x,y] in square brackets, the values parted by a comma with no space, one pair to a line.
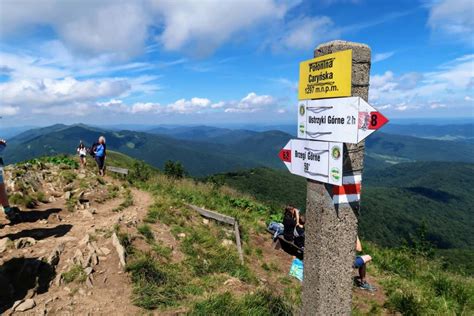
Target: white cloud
[302,33]
[448,85]
[208,24]
[251,103]
[23,66]
[7,110]
[49,92]
[92,27]
[120,28]
[453,17]
[468,98]
[189,106]
[382,56]
[401,108]
[436,105]
[145,107]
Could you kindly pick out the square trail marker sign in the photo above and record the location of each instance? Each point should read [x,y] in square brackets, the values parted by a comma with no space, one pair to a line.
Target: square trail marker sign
[328,76]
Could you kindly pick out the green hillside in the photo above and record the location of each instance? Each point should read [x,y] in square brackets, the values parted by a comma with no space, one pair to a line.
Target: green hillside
[154,149]
[395,202]
[398,148]
[275,187]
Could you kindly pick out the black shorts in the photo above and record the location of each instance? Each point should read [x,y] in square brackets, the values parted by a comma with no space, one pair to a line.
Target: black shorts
[100,162]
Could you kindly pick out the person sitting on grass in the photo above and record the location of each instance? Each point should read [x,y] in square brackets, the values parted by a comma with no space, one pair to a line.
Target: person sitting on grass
[299,233]
[12,213]
[361,264]
[291,219]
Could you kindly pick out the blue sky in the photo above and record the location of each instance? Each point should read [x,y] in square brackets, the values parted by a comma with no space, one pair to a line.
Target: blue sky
[223,61]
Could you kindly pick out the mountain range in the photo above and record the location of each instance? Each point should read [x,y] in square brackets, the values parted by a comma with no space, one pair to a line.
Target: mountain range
[207,150]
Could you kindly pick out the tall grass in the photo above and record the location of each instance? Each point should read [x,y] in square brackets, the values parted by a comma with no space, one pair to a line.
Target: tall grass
[418,285]
[260,303]
[154,285]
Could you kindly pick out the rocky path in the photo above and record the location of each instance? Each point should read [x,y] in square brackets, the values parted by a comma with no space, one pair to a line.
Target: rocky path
[39,257]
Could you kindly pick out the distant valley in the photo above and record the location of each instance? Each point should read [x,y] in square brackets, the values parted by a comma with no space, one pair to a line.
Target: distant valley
[207,150]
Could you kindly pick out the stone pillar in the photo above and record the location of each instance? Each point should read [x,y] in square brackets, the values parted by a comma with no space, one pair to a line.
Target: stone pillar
[331,230]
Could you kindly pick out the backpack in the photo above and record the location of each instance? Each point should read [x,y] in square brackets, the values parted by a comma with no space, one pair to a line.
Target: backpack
[91,150]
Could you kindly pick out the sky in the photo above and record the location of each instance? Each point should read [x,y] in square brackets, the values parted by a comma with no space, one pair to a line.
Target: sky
[223,61]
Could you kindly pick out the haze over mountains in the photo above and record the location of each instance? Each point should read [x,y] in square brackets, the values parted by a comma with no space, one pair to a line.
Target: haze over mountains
[207,150]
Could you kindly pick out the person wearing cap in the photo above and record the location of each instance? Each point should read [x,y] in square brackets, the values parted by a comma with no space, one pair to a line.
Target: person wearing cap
[12,213]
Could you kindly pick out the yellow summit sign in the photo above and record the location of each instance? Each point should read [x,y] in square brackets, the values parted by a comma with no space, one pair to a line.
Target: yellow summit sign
[327,76]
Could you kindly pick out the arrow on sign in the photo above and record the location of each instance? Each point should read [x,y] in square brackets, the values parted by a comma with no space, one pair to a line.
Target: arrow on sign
[320,161]
[346,120]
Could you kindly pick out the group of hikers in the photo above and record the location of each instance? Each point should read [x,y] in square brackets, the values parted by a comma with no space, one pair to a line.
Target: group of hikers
[292,230]
[98,150]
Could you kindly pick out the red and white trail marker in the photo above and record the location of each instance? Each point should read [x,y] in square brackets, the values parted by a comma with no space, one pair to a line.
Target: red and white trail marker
[349,191]
[319,161]
[345,120]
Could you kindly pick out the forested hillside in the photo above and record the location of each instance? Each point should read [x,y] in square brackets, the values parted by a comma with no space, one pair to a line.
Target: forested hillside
[396,201]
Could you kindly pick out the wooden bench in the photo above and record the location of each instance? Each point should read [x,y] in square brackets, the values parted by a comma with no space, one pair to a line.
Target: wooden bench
[224,219]
[118,170]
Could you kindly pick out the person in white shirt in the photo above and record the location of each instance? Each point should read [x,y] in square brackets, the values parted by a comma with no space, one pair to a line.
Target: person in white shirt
[82,152]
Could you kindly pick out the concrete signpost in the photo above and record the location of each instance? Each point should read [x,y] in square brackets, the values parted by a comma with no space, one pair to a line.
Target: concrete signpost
[339,77]
[319,161]
[346,120]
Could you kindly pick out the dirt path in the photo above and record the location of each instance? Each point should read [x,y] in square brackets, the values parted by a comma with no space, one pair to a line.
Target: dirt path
[83,237]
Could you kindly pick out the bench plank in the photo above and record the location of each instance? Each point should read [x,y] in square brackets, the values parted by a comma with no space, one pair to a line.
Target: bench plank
[117,170]
[210,214]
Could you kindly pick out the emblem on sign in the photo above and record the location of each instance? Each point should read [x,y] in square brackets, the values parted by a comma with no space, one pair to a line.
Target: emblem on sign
[336,174]
[336,152]
[302,109]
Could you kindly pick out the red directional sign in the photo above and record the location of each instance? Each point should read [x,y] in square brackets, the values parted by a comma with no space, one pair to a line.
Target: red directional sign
[320,161]
[377,120]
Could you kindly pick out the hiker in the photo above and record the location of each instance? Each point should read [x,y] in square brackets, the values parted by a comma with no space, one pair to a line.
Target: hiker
[100,153]
[299,233]
[361,264]
[291,219]
[82,151]
[12,213]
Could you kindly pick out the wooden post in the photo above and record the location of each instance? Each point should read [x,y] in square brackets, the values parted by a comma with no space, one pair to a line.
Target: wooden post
[331,230]
[237,241]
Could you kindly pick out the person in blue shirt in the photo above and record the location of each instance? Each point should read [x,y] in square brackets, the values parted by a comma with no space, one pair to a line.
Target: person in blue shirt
[100,153]
[12,213]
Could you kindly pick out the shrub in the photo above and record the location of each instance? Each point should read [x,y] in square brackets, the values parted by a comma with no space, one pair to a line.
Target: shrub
[174,169]
[76,273]
[145,230]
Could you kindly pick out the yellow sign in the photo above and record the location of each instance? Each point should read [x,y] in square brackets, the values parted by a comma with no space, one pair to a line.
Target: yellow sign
[327,76]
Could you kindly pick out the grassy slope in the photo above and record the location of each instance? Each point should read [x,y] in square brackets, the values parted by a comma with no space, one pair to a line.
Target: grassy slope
[414,284]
